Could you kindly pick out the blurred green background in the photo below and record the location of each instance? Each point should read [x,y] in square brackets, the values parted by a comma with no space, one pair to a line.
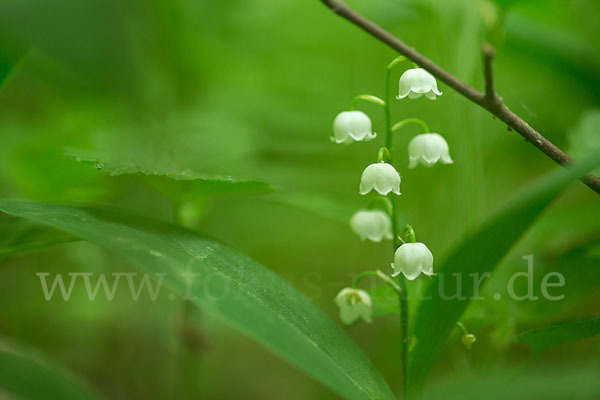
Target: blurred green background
[93,91]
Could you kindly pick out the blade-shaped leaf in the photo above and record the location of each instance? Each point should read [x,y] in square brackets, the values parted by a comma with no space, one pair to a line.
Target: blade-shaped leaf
[545,338]
[230,286]
[18,236]
[31,379]
[479,253]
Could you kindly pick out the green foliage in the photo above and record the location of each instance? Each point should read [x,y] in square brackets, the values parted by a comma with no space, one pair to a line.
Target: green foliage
[571,382]
[17,236]
[240,96]
[73,19]
[231,286]
[192,183]
[8,63]
[478,253]
[30,378]
[554,335]
[584,137]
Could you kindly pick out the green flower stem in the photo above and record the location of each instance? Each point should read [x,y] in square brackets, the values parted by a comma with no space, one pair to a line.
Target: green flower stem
[403,301]
[366,97]
[389,280]
[407,121]
[395,62]
[388,118]
[384,155]
[402,298]
[384,201]
[410,234]
[462,328]
[379,274]
[387,109]
[361,276]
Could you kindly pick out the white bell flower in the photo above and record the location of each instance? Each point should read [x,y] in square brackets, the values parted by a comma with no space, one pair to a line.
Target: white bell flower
[382,177]
[352,126]
[412,259]
[354,304]
[417,82]
[428,149]
[374,225]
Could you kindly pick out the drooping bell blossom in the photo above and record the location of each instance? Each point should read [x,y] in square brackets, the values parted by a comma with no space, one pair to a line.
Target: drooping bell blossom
[428,149]
[417,82]
[374,225]
[354,304]
[382,177]
[412,260]
[352,126]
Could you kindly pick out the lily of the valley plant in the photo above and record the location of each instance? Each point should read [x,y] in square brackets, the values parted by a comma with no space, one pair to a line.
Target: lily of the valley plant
[411,259]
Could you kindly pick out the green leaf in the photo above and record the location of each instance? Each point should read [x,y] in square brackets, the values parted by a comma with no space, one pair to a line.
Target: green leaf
[545,338]
[207,141]
[18,236]
[197,183]
[584,138]
[479,253]
[100,52]
[32,379]
[550,381]
[187,154]
[230,286]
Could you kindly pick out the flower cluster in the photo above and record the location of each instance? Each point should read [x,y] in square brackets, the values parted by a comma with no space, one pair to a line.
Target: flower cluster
[411,259]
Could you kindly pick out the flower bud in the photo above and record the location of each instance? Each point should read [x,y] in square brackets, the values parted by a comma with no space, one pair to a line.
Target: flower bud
[354,304]
[428,149]
[374,225]
[417,82]
[412,259]
[468,340]
[352,126]
[382,177]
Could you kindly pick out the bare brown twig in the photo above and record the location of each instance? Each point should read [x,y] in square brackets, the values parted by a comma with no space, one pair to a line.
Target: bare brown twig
[489,100]
[491,97]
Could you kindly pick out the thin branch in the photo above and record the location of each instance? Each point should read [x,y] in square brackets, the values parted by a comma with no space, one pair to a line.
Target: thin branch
[495,107]
[491,97]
